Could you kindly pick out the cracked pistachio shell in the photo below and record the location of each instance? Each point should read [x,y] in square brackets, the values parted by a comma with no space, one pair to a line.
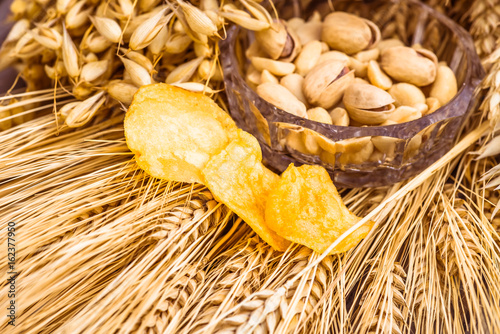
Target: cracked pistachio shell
[417,67]
[325,84]
[368,104]
[278,41]
[349,33]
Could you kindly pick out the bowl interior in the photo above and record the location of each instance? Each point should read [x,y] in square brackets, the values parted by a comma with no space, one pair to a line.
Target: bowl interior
[416,144]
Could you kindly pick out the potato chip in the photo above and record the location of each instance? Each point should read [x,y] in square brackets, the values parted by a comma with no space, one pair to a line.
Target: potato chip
[174,132]
[237,178]
[305,207]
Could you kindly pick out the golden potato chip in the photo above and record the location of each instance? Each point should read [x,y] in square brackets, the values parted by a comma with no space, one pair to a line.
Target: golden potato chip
[305,207]
[237,178]
[174,132]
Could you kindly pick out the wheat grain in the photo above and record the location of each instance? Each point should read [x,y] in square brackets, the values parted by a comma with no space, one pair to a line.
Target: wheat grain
[107,28]
[94,70]
[148,30]
[383,300]
[138,74]
[197,20]
[77,17]
[425,285]
[277,308]
[70,55]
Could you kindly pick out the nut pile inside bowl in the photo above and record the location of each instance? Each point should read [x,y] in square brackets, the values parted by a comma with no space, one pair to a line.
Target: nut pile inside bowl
[339,71]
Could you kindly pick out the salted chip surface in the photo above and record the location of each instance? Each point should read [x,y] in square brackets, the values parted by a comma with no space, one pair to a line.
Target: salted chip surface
[174,132]
[237,178]
[305,207]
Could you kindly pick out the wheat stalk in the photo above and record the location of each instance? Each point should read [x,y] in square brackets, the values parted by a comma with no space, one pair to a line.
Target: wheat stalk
[483,17]
[388,304]
[236,274]
[276,308]
[425,285]
[115,192]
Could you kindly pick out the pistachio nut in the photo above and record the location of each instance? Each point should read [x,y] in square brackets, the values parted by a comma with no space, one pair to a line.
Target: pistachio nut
[389,43]
[310,141]
[295,23]
[295,142]
[412,147]
[377,77]
[405,114]
[405,64]
[315,17]
[352,144]
[362,81]
[254,50]
[324,47]
[320,115]
[278,41]
[444,87]
[328,158]
[360,68]
[339,117]
[333,55]
[327,144]
[378,156]
[388,122]
[308,57]
[433,104]
[367,55]
[302,140]
[355,150]
[406,94]
[310,31]
[349,33]
[276,67]
[421,107]
[253,77]
[282,98]
[368,104]
[326,82]
[267,76]
[293,82]
[384,144]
